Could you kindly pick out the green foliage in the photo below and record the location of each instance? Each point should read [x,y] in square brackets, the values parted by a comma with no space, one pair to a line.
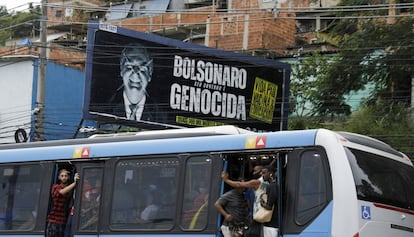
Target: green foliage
[3,11]
[386,121]
[306,74]
[299,123]
[370,51]
[310,96]
[18,24]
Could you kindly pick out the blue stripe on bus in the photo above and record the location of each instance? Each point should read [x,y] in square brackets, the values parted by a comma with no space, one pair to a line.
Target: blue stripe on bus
[320,227]
[162,146]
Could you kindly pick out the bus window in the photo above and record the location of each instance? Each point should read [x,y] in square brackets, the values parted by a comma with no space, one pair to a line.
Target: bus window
[312,187]
[91,199]
[196,193]
[19,196]
[144,195]
[382,180]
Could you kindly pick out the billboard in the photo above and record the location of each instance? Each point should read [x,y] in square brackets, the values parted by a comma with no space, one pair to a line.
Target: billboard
[148,80]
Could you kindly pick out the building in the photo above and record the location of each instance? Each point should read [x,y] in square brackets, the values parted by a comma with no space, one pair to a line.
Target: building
[266,28]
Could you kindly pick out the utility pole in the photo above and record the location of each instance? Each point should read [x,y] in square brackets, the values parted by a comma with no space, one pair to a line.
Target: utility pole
[412,97]
[41,79]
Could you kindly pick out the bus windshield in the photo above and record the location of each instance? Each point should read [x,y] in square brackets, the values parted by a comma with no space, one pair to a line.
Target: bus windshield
[382,180]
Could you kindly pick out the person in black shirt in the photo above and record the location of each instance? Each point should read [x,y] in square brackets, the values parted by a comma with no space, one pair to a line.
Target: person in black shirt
[233,207]
[271,228]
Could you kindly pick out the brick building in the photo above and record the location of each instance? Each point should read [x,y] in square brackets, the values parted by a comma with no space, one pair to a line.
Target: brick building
[255,27]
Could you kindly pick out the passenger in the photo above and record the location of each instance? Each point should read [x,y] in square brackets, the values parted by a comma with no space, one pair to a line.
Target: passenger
[249,194]
[198,206]
[259,186]
[56,220]
[233,207]
[151,209]
[90,204]
[271,228]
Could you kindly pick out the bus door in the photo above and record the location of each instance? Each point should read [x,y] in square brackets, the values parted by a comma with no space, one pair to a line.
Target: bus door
[307,194]
[88,199]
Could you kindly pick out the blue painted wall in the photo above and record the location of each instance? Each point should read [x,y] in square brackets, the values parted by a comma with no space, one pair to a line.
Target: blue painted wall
[63,100]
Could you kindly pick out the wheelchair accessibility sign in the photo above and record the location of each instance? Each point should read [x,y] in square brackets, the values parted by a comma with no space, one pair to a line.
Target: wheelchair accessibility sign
[366,212]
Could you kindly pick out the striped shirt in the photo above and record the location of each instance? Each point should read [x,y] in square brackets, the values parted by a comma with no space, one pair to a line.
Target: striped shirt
[57,214]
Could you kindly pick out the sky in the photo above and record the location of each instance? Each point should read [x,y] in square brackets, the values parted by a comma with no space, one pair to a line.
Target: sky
[11,4]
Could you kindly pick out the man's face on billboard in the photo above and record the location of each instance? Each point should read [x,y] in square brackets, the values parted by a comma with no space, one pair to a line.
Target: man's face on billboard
[136,72]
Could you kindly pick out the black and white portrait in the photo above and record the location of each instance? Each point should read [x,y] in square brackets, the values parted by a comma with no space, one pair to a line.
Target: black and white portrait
[136,68]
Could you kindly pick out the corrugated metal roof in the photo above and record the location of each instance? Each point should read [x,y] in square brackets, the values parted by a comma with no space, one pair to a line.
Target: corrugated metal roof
[152,7]
[53,36]
[119,11]
[143,8]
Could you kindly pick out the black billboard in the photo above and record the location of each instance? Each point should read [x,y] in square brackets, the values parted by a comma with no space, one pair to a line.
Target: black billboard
[144,78]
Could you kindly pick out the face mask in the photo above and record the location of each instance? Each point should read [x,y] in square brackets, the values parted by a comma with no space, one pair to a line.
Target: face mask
[256,176]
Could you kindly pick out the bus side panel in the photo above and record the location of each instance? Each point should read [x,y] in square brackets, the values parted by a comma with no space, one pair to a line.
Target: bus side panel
[319,226]
[379,221]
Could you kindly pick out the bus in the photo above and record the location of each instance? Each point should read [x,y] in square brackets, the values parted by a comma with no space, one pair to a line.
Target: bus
[330,183]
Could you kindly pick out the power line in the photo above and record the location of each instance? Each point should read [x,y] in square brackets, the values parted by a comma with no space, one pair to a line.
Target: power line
[334,9]
[252,11]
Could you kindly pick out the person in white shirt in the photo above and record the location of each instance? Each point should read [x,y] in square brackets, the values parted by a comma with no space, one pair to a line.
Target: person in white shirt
[150,211]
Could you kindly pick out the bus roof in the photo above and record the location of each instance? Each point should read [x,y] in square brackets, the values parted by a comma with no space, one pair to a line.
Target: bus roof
[202,131]
[135,136]
[205,139]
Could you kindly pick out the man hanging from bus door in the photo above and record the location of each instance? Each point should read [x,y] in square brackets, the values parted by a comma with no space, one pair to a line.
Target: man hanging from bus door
[249,193]
[259,186]
[70,206]
[56,220]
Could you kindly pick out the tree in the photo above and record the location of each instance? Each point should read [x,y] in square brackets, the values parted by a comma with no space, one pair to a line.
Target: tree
[3,11]
[306,75]
[18,24]
[389,122]
[370,51]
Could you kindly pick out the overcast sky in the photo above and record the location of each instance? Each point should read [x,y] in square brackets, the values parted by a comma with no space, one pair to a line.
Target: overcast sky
[10,4]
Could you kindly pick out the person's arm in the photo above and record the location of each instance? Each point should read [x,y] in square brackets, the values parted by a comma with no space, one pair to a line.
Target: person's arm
[223,212]
[71,186]
[254,183]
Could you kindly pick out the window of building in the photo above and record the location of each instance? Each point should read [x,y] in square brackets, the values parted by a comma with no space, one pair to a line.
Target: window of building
[58,13]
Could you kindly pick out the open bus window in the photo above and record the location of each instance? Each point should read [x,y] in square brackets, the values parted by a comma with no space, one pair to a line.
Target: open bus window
[196,195]
[144,194]
[19,196]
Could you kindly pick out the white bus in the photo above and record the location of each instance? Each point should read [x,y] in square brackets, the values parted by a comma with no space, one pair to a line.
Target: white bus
[331,183]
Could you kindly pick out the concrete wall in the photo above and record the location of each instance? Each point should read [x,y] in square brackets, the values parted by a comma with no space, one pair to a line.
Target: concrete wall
[16,86]
[18,91]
